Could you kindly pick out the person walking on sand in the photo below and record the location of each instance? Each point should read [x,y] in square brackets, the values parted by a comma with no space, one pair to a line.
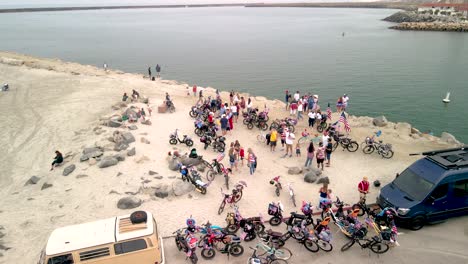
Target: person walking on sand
[297,96]
[310,155]
[149,72]
[234,111]
[150,110]
[143,113]
[320,155]
[328,151]
[289,144]
[363,187]
[298,149]
[252,161]
[57,160]
[273,139]
[194,90]
[158,71]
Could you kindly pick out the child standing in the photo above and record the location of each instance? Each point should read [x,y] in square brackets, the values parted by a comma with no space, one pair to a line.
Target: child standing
[298,150]
[241,154]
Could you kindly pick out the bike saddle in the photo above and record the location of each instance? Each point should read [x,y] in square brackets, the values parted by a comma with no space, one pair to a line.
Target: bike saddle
[185,135]
[255,219]
[296,215]
[380,141]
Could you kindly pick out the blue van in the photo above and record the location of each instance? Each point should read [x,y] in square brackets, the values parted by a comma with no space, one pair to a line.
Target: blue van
[431,190]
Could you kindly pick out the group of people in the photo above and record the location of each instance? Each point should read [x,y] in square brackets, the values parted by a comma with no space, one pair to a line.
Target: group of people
[158,72]
[325,194]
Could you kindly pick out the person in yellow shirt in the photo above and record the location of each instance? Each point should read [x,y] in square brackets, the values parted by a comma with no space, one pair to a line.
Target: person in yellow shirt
[273,139]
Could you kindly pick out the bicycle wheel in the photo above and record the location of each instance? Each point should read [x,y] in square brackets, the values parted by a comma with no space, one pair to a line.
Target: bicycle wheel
[361,210]
[320,128]
[368,149]
[353,146]
[264,126]
[238,196]
[335,145]
[236,250]
[275,221]
[245,121]
[312,246]
[259,228]
[249,125]
[283,253]
[210,175]
[291,128]
[208,253]
[221,207]
[348,245]
[379,247]
[232,229]
[387,154]
[324,245]
[278,261]
[194,258]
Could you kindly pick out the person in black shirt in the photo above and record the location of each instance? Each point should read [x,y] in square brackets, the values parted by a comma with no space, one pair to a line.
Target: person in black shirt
[57,160]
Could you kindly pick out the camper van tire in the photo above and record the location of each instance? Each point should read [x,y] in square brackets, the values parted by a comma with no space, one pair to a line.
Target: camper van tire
[417,223]
[138,217]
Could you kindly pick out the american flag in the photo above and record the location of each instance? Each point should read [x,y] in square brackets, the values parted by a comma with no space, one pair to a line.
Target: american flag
[329,112]
[345,122]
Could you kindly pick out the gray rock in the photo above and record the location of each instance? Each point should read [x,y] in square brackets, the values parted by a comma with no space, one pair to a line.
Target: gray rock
[81,176]
[89,155]
[190,161]
[180,187]
[162,190]
[128,137]
[323,180]
[107,162]
[132,127]
[46,185]
[91,150]
[310,177]
[120,146]
[112,123]
[173,164]
[144,140]
[152,172]
[69,169]
[201,168]
[119,157]
[32,180]
[380,121]
[131,152]
[294,170]
[449,138]
[128,202]
[172,177]
[130,112]
[147,122]
[158,177]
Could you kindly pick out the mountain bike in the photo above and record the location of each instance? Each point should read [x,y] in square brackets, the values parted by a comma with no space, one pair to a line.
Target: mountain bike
[345,143]
[232,198]
[269,259]
[375,244]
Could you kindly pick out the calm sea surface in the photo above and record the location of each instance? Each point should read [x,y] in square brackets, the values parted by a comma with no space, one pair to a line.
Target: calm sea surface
[402,75]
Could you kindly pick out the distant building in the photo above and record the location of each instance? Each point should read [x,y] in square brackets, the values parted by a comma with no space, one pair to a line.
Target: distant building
[442,9]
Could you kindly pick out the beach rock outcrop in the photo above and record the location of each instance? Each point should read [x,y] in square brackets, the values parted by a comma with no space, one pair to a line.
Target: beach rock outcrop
[190,161]
[323,180]
[89,153]
[32,180]
[180,187]
[69,169]
[449,138]
[294,170]
[128,202]
[380,121]
[161,190]
[131,152]
[112,123]
[128,137]
[173,164]
[119,157]
[107,162]
[312,175]
[46,185]
[132,127]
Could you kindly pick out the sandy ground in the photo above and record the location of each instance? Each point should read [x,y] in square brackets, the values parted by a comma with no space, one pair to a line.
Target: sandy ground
[57,105]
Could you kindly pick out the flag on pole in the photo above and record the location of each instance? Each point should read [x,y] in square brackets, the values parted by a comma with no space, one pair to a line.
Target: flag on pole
[345,122]
[329,112]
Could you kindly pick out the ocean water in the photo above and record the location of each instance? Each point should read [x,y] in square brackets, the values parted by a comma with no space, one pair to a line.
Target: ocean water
[402,75]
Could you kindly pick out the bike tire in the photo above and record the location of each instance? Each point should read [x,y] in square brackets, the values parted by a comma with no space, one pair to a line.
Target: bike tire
[232,229]
[324,245]
[361,210]
[238,196]
[259,228]
[193,258]
[264,127]
[189,142]
[208,253]
[245,121]
[283,253]
[368,149]
[275,221]
[250,237]
[173,141]
[388,154]
[202,190]
[221,207]
[291,128]
[302,140]
[210,175]
[348,245]
[236,250]
[249,125]
[278,261]
[320,128]
[353,146]
[312,246]
[379,247]
[192,113]
[220,148]
[335,145]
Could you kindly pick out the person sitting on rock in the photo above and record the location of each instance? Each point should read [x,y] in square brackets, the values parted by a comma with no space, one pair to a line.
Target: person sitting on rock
[5,87]
[57,160]
[193,153]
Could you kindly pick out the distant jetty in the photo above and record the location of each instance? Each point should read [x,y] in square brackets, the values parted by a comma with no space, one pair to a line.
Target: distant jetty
[432,26]
[380,5]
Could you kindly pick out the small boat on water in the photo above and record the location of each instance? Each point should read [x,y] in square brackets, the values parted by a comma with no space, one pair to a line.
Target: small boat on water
[447,98]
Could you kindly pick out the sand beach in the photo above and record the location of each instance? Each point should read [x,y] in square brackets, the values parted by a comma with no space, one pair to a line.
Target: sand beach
[55,105]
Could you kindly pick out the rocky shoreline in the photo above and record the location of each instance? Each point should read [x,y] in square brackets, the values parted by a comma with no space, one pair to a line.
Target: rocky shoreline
[432,26]
[410,20]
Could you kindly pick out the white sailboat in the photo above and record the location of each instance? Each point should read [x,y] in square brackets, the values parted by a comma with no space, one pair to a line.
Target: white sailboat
[447,98]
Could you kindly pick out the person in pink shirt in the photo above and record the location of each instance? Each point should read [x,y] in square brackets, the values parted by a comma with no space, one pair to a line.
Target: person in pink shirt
[320,155]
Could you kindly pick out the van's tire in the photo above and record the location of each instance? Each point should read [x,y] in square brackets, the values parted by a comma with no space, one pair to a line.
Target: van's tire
[138,217]
[417,223]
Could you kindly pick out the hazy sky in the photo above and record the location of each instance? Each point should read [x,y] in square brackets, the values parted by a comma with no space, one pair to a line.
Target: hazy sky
[42,3]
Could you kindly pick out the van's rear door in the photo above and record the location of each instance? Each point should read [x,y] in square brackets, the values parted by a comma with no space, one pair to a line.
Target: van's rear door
[459,198]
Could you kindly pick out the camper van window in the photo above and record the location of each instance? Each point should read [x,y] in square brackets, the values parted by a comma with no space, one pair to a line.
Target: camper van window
[413,185]
[440,191]
[63,259]
[461,188]
[129,246]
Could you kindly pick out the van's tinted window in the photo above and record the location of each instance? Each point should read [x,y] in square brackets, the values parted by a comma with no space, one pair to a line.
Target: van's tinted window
[461,188]
[63,259]
[413,185]
[440,191]
[129,246]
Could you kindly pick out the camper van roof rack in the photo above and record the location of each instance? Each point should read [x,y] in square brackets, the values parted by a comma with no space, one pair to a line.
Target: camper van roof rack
[453,158]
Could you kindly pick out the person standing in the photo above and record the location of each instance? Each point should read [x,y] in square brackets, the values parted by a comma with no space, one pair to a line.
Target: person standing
[311,118]
[242,103]
[297,96]
[249,105]
[298,149]
[234,112]
[230,117]
[300,107]
[328,151]
[289,143]
[231,97]
[310,103]
[57,160]
[194,90]
[232,158]
[339,104]
[345,101]
[320,155]
[149,72]
[158,71]
[105,67]
[363,187]
[224,124]
[242,155]
[310,155]
[286,99]
[282,131]
[273,139]
[252,161]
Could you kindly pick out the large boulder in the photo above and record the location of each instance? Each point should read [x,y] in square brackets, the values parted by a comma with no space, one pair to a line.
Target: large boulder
[312,175]
[190,161]
[32,180]
[69,169]
[132,127]
[449,138]
[128,137]
[294,170]
[120,146]
[173,164]
[107,162]
[180,187]
[112,123]
[88,155]
[119,157]
[323,180]
[403,128]
[131,152]
[380,121]
[128,202]
[161,190]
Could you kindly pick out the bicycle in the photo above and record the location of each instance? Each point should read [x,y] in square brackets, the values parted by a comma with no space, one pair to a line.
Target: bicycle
[375,244]
[270,259]
[279,253]
[232,198]
[346,143]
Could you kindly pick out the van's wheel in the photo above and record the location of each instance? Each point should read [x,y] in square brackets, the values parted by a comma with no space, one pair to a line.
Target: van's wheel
[138,217]
[417,223]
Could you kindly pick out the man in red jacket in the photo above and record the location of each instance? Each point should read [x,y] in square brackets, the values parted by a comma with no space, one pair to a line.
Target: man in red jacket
[363,187]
